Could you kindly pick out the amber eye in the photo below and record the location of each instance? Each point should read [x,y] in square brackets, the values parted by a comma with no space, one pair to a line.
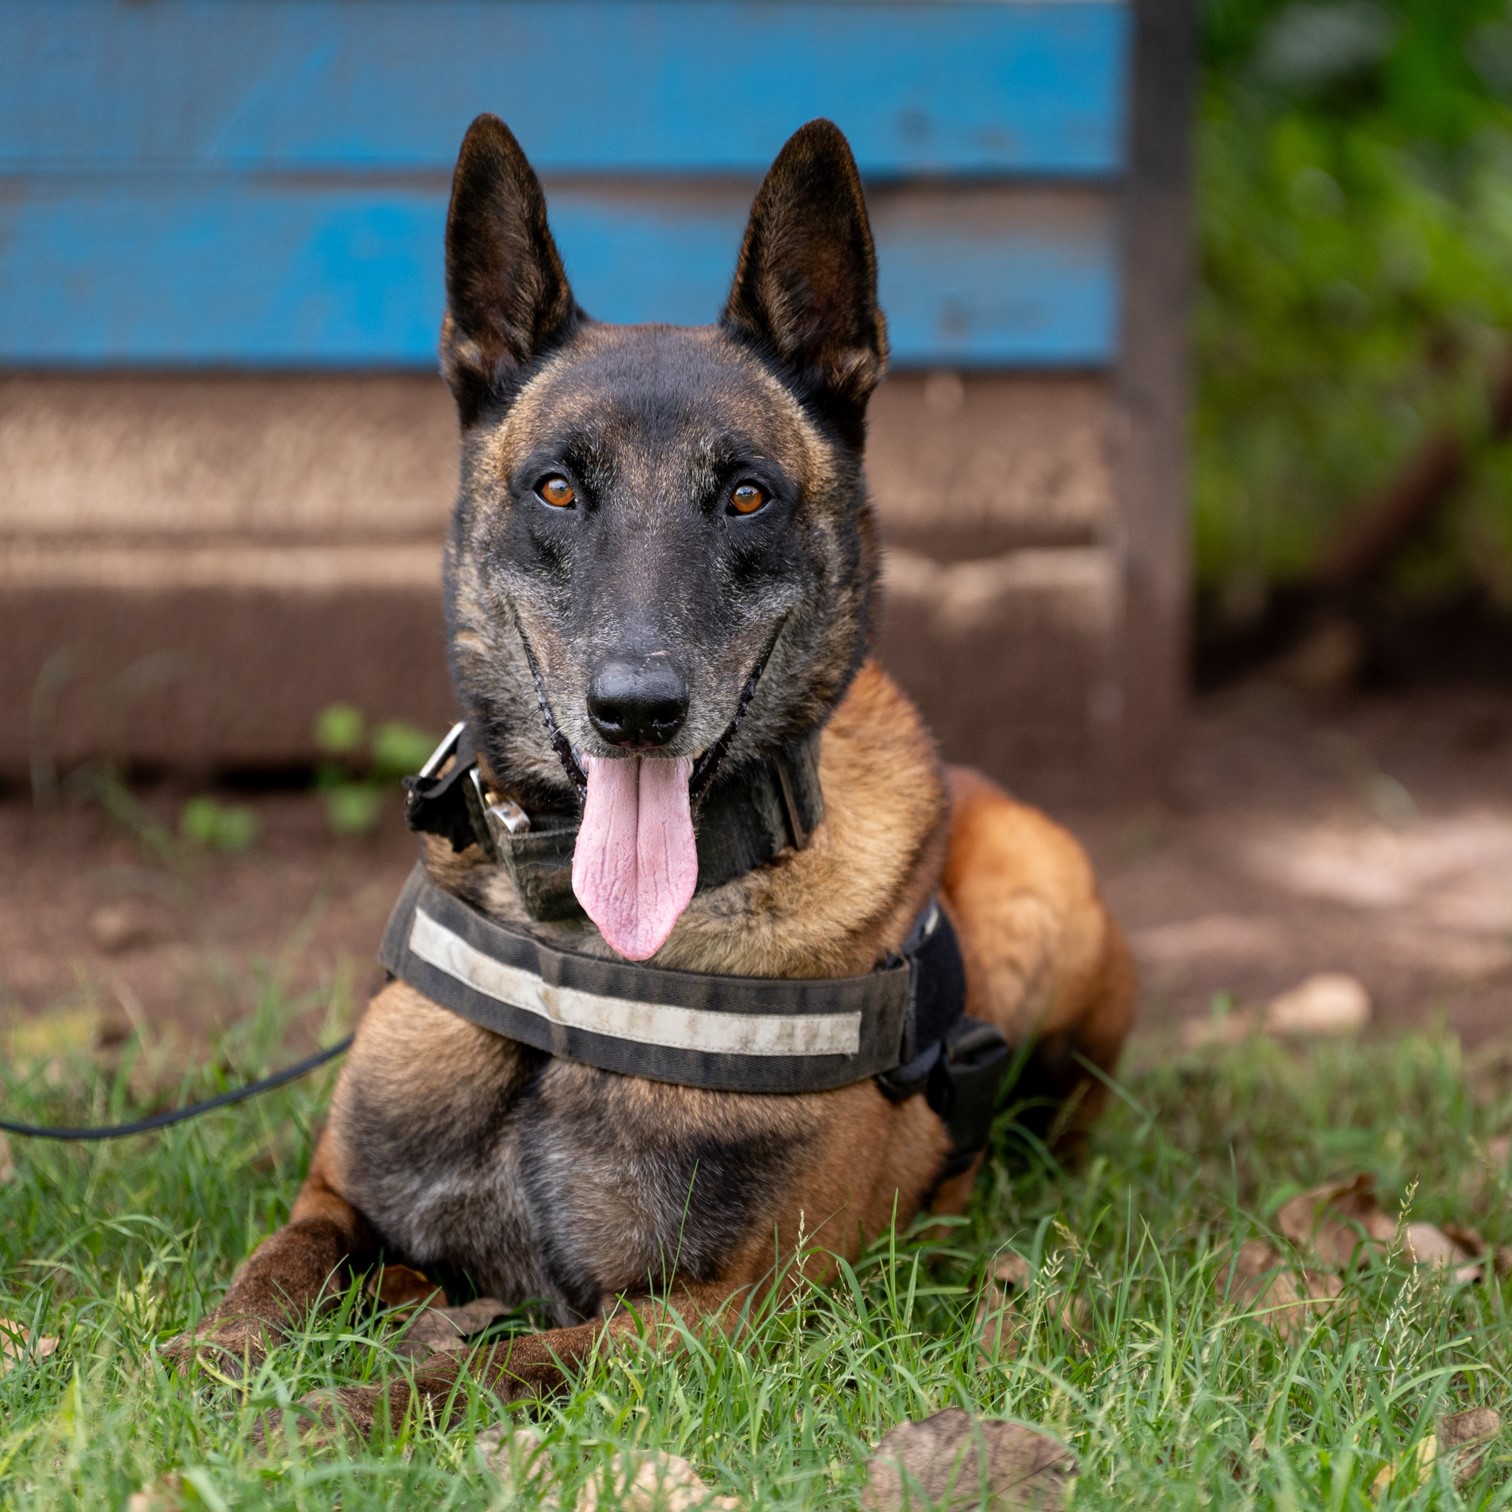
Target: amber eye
[747,498]
[556,491]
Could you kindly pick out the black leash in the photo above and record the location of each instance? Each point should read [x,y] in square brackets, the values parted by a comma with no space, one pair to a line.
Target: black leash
[193,1110]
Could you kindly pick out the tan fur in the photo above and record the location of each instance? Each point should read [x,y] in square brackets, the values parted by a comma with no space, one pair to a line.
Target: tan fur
[1044,961]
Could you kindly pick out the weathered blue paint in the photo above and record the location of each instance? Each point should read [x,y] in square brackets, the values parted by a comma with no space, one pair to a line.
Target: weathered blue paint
[920,86]
[262,183]
[264,273]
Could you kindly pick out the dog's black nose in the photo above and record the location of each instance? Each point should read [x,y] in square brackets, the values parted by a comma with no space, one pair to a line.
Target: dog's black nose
[639,702]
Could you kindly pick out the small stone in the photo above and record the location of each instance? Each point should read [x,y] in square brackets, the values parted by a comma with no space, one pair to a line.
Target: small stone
[120,926]
[1328,1003]
[517,1455]
[658,1482]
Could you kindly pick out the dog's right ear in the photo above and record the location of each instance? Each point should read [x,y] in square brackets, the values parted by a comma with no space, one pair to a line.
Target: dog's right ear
[507,297]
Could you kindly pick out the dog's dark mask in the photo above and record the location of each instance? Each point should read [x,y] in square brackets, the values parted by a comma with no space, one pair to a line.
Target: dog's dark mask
[662,561]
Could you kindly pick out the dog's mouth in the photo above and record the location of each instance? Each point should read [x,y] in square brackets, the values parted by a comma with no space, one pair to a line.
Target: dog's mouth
[635,864]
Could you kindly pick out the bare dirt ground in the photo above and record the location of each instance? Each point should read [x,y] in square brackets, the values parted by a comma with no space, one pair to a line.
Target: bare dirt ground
[1368,837]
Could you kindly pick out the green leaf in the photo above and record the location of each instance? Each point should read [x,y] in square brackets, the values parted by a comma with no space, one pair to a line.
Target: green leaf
[218,826]
[339,729]
[399,749]
[352,808]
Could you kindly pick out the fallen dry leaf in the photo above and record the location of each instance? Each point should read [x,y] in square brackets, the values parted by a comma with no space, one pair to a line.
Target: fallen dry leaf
[1328,1003]
[1462,1442]
[1466,1236]
[1288,1298]
[398,1286]
[433,1329]
[1334,1220]
[997,1319]
[18,1343]
[958,1463]
[1000,1317]
[1411,1472]
[1428,1244]
[429,1323]
[1468,1436]
[653,1483]
[1339,1220]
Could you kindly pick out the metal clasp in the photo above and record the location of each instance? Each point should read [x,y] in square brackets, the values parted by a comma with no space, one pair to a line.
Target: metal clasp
[443,752]
[504,816]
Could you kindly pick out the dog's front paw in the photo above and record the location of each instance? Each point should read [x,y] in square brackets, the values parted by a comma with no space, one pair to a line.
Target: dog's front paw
[228,1351]
[337,1417]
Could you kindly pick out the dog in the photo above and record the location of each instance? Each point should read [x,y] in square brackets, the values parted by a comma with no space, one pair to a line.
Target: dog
[662,571]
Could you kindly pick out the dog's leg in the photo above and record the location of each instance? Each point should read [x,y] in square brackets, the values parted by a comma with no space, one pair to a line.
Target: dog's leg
[283,1279]
[524,1368]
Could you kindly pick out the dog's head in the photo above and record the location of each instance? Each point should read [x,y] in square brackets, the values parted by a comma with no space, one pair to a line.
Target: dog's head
[662,560]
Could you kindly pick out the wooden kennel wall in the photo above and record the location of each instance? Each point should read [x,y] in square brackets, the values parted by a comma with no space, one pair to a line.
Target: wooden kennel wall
[226,461]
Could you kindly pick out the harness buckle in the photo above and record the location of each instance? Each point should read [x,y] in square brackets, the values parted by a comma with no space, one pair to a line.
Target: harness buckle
[443,752]
[505,817]
[431,796]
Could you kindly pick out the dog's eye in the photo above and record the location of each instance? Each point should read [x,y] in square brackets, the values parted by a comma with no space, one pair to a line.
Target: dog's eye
[556,491]
[747,498]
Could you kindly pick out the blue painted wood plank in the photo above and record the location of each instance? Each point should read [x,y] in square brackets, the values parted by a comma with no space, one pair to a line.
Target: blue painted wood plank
[921,86]
[267,273]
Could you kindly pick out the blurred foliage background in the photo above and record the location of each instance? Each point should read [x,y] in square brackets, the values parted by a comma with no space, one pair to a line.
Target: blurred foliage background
[1355,193]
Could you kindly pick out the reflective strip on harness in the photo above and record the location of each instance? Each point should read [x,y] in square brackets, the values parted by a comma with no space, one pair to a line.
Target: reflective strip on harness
[626,1018]
[698,1029]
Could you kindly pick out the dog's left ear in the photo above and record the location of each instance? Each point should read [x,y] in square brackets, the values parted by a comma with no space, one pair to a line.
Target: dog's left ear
[806,284]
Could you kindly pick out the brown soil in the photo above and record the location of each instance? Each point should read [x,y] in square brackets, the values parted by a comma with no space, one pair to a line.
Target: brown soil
[1371,837]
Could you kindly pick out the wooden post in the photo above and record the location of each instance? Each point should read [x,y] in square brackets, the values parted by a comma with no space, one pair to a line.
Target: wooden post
[1153,388]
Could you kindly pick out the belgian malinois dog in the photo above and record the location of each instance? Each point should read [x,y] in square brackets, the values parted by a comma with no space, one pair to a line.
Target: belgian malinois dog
[663,560]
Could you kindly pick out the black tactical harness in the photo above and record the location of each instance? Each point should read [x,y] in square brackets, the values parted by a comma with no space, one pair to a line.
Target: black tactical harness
[903,1023]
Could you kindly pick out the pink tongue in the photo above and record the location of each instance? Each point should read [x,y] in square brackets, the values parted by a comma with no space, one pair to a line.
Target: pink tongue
[636,865]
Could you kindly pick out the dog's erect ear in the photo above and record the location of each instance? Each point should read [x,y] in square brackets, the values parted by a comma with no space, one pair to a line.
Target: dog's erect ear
[806,283]
[507,298]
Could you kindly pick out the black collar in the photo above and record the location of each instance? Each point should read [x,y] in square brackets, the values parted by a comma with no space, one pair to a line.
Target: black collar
[903,1024]
[746,818]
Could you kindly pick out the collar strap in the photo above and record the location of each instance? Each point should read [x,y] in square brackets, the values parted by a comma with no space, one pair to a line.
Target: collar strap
[744,821]
[698,1029]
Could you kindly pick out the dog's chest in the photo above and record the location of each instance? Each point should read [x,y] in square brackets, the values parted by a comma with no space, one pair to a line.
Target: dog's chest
[547,1180]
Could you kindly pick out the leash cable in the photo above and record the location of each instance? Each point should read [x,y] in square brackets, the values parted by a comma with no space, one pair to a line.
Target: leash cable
[192,1110]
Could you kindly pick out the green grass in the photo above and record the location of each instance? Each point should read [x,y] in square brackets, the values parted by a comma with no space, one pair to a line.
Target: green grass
[1170,1397]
